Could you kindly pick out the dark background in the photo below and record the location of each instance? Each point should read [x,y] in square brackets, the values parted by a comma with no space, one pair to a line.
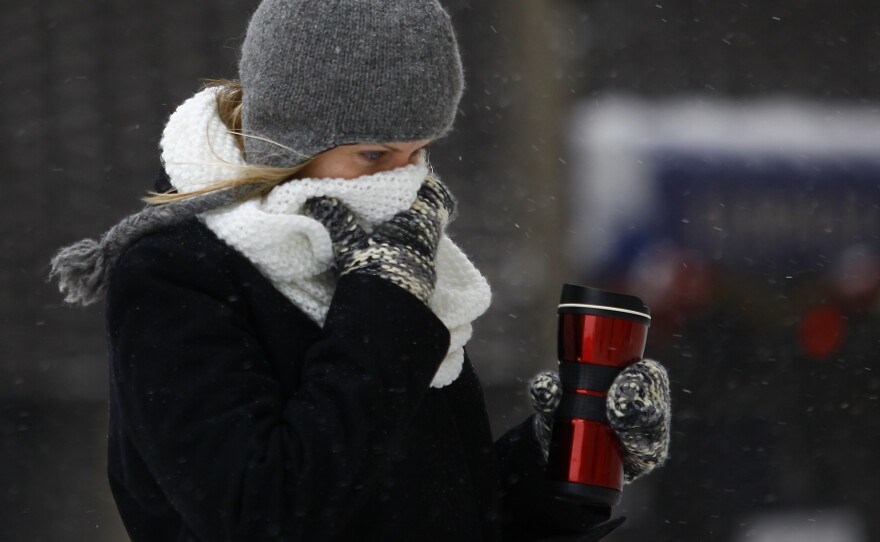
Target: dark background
[89,85]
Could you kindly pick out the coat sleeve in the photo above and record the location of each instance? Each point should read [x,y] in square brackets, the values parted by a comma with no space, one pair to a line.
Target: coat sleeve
[237,457]
[531,512]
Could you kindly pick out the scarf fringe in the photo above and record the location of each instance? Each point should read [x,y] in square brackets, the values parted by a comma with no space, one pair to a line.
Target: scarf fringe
[83,268]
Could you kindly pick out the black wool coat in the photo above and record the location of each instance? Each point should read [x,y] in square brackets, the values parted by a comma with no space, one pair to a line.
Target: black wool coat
[234,417]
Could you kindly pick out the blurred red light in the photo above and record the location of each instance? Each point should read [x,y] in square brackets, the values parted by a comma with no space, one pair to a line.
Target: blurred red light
[822,331]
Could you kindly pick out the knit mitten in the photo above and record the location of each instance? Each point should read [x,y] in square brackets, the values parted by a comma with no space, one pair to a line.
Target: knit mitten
[401,250]
[639,412]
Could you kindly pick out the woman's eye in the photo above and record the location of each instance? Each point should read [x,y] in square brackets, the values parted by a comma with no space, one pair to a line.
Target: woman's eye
[372,156]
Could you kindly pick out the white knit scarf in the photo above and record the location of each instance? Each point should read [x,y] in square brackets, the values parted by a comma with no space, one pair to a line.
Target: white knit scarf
[294,251]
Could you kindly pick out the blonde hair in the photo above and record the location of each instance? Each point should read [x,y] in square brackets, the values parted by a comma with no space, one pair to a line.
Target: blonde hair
[255,179]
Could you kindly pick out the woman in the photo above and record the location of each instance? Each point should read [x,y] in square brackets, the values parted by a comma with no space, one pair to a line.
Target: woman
[286,320]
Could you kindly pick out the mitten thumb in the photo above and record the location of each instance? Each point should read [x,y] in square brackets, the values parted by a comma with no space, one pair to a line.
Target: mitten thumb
[545,392]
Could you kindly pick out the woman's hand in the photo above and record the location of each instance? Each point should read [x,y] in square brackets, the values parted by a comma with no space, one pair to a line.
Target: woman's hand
[638,408]
[401,250]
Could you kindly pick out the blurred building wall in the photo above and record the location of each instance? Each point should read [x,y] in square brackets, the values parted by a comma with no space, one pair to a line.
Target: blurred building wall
[818,48]
[90,84]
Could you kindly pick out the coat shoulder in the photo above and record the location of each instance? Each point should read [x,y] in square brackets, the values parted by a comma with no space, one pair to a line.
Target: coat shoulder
[186,252]
[189,241]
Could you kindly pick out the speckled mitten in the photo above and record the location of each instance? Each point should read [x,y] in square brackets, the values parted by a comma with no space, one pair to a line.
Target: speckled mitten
[401,250]
[639,412]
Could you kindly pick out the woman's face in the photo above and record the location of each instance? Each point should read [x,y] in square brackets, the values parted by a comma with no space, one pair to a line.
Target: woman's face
[352,161]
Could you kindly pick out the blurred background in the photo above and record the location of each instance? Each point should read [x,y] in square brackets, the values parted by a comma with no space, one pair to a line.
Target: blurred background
[719,159]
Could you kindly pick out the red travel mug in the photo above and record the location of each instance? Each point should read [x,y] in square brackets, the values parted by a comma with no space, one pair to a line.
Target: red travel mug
[600,333]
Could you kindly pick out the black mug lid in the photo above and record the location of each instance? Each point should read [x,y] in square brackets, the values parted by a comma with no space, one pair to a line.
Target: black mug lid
[583,299]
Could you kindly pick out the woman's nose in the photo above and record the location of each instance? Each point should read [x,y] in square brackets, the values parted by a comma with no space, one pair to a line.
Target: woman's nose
[402,159]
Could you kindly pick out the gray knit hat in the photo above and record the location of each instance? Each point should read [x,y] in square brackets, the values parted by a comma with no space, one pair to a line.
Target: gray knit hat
[321,73]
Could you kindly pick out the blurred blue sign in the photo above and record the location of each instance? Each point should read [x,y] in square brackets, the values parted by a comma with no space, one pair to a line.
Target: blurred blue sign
[743,210]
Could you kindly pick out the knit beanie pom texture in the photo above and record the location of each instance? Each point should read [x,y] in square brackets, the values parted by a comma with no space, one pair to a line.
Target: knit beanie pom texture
[317,74]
